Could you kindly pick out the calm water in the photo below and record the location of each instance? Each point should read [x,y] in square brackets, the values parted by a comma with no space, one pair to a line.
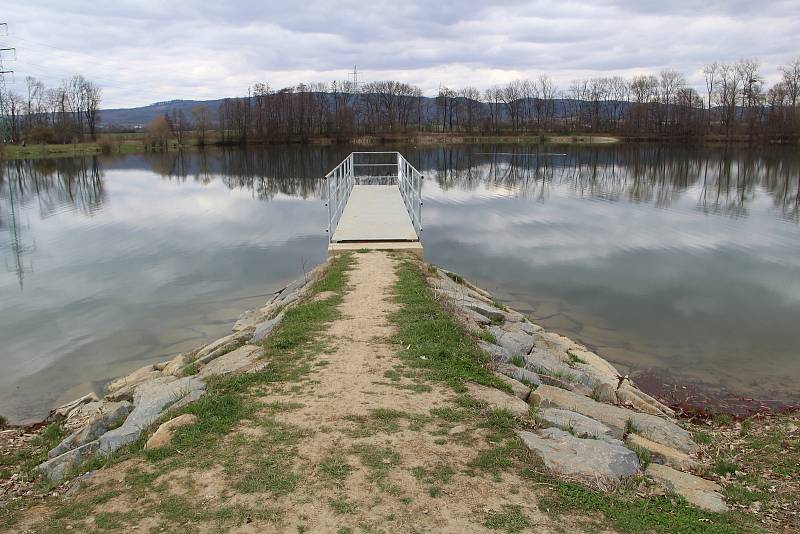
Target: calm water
[683,261]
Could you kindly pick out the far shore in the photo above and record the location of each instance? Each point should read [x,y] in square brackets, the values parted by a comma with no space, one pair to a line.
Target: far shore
[135,143]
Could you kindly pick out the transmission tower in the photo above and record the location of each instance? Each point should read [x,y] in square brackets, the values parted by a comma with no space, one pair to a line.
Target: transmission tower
[12,52]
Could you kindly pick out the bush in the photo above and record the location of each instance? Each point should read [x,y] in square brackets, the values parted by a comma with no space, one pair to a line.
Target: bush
[41,135]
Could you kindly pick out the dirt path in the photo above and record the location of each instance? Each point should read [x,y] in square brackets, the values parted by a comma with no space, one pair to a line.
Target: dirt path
[340,410]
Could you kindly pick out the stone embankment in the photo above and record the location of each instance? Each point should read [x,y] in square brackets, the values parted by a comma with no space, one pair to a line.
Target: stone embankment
[590,422]
[137,401]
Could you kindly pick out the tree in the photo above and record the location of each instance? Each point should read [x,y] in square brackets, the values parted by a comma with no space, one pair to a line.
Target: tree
[201,116]
[159,132]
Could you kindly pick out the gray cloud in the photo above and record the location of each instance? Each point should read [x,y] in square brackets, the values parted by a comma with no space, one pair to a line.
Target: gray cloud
[146,51]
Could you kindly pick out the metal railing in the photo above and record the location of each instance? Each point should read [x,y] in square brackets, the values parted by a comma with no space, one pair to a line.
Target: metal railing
[398,171]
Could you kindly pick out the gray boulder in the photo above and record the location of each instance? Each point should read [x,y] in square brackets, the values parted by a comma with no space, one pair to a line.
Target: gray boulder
[109,414]
[698,491]
[237,360]
[264,329]
[515,341]
[654,428]
[490,312]
[590,460]
[150,400]
[55,469]
[496,352]
[519,389]
[577,424]
[518,373]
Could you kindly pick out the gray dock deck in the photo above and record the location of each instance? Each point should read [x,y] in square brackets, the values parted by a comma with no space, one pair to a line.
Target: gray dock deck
[374,213]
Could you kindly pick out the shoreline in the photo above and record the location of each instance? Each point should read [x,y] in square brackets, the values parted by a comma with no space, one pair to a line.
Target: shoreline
[690,399]
[119,144]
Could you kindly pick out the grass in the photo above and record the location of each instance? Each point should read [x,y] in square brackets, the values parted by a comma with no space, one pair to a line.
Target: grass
[509,519]
[435,341]
[518,360]
[629,513]
[335,467]
[488,337]
[645,456]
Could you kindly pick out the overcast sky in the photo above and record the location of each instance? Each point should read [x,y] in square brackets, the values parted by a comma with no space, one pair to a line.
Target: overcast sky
[145,51]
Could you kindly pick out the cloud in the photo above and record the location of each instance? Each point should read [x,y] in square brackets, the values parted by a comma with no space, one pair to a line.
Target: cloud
[147,51]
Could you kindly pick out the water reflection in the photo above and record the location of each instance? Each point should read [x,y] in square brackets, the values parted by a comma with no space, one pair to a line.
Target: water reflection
[728,178]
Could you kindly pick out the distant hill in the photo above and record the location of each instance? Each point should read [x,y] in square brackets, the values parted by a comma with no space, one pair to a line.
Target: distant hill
[133,117]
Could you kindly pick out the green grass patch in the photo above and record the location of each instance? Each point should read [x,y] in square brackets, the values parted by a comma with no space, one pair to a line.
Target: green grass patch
[630,513]
[435,341]
[509,519]
[518,360]
[335,467]
[488,337]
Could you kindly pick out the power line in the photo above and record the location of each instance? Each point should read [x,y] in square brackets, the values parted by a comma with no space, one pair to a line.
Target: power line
[4,135]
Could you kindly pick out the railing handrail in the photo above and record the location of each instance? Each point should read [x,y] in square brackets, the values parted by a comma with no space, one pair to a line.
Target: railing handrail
[341,179]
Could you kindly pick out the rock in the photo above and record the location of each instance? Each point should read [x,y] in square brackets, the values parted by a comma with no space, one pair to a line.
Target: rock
[264,329]
[576,424]
[109,414]
[526,327]
[518,373]
[555,342]
[665,455]
[191,397]
[597,363]
[55,469]
[516,342]
[587,459]
[475,316]
[235,361]
[545,363]
[219,343]
[458,429]
[65,409]
[81,415]
[150,399]
[490,312]
[498,399]
[519,389]
[698,491]
[291,289]
[605,393]
[652,427]
[233,341]
[495,352]
[163,436]
[250,318]
[148,372]
[175,365]
[126,393]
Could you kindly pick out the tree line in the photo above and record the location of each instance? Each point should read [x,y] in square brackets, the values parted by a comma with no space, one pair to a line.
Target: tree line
[63,114]
[736,102]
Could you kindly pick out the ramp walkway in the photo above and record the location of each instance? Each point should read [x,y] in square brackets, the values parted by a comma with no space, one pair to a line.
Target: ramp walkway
[374,202]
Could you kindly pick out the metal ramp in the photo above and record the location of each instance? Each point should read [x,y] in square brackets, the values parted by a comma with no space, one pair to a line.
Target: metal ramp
[374,201]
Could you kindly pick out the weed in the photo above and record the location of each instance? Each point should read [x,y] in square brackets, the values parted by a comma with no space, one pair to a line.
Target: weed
[645,456]
[509,519]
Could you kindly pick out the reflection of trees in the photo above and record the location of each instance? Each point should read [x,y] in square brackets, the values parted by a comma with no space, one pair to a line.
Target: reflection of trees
[727,180]
[293,171]
[73,183]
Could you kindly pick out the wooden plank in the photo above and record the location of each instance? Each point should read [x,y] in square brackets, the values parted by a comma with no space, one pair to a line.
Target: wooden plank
[375,213]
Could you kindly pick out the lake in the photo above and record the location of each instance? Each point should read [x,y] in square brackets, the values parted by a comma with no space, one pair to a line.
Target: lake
[681,265]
